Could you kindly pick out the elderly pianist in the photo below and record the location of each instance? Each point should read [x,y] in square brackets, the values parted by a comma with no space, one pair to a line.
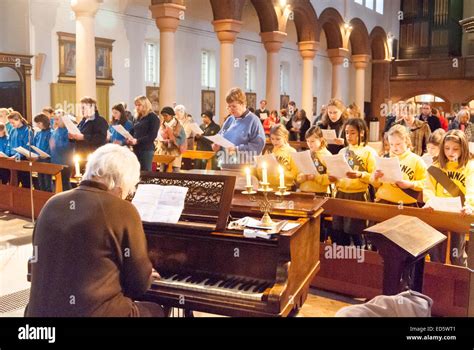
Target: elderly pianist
[91,250]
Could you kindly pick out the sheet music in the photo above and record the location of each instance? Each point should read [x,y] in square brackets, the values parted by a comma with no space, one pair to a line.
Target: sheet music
[25,152]
[329,135]
[304,162]
[195,129]
[263,116]
[269,160]
[220,140]
[390,168]
[471,147]
[70,126]
[122,131]
[3,155]
[157,203]
[337,165]
[41,153]
[449,204]
[428,160]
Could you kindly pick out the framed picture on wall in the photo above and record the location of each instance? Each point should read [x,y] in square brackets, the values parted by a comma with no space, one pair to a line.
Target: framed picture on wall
[284,100]
[153,94]
[208,101]
[251,100]
[67,59]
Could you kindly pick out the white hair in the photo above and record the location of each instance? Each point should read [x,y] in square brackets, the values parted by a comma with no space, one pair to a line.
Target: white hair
[180,108]
[114,166]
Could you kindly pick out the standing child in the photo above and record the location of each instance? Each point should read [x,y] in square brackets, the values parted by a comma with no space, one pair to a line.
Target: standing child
[5,149]
[41,140]
[62,150]
[316,183]
[432,147]
[282,152]
[356,185]
[407,191]
[452,175]
[20,137]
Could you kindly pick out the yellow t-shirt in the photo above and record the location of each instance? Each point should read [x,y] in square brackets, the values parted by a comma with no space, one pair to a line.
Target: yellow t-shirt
[462,177]
[321,182]
[360,158]
[414,170]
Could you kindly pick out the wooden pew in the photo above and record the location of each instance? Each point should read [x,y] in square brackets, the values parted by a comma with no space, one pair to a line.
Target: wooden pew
[202,155]
[17,199]
[164,159]
[451,287]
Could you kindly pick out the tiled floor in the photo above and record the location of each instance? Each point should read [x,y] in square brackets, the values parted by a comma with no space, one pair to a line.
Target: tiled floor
[15,250]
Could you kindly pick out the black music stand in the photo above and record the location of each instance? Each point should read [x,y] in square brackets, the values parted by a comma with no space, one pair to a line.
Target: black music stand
[403,242]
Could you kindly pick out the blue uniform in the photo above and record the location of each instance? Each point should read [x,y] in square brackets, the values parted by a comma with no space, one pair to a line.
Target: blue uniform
[116,137]
[4,145]
[19,138]
[62,153]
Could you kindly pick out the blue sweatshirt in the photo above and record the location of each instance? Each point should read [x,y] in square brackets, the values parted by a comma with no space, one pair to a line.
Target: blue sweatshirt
[115,136]
[19,137]
[41,140]
[61,148]
[9,127]
[246,133]
[4,146]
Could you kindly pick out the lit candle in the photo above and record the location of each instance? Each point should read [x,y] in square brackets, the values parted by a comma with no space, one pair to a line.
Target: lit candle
[282,177]
[249,180]
[264,173]
[76,164]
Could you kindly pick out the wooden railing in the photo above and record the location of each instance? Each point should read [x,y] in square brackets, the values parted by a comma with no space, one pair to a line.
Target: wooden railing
[17,199]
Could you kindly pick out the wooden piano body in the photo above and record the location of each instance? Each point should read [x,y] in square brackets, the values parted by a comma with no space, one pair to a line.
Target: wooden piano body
[276,272]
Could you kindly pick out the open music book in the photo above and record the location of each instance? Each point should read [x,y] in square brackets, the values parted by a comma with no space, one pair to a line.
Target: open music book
[3,155]
[70,126]
[157,203]
[41,153]
[26,153]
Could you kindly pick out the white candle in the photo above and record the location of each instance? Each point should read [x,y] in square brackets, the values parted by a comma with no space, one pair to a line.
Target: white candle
[264,173]
[282,177]
[76,164]
[249,180]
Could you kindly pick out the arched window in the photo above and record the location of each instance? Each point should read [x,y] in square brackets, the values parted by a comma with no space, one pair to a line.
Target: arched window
[284,77]
[208,70]
[152,63]
[426,98]
[250,73]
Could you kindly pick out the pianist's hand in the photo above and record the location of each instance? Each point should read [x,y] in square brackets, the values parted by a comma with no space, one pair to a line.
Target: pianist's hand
[155,275]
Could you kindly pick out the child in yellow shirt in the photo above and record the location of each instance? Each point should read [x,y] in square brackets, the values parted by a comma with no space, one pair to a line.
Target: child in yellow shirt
[355,186]
[452,175]
[407,191]
[316,183]
[282,152]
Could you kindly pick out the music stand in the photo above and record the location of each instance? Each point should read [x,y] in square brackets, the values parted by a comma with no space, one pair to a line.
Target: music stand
[403,242]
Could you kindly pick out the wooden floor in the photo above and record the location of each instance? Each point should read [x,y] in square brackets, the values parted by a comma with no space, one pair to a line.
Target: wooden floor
[15,249]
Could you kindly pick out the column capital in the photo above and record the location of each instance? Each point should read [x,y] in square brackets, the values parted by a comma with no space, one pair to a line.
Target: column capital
[337,56]
[308,49]
[85,8]
[360,61]
[227,29]
[167,16]
[273,40]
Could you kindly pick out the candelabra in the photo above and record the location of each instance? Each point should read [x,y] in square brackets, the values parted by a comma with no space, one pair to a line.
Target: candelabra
[265,203]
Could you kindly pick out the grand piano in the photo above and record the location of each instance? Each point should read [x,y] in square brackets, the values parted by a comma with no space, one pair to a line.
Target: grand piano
[205,266]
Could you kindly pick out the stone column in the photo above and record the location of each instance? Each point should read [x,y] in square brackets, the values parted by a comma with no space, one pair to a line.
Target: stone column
[337,57]
[85,11]
[308,51]
[360,63]
[167,17]
[273,42]
[227,31]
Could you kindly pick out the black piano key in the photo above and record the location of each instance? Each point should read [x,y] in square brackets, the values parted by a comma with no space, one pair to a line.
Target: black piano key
[222,283]
[263,287]
[247,286]
[228,283]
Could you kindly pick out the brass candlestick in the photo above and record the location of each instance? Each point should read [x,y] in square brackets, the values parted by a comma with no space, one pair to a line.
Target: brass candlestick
[265,203]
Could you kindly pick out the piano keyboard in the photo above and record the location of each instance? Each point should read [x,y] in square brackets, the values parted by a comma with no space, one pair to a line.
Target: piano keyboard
[230,287]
